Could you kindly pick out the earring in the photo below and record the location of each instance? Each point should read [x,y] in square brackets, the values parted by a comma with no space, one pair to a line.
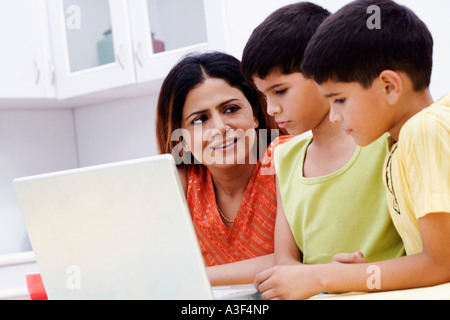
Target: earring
[185,146]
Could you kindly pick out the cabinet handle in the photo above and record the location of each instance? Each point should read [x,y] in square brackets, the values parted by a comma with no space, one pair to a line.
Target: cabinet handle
[118,57]
[137,54]
[52,72]
[38,72]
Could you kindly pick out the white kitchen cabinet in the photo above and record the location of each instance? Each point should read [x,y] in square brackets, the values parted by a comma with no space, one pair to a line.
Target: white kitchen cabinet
[25,59]
[106,44]
[165,30]
[91,43]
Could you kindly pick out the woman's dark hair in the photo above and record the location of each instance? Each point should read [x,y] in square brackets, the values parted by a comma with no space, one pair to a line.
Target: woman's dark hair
[187,74]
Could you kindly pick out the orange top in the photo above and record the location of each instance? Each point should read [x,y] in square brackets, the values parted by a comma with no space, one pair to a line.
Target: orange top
[252,233]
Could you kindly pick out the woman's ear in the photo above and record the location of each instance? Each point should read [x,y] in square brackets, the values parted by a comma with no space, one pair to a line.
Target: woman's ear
[255,123]
[392,85]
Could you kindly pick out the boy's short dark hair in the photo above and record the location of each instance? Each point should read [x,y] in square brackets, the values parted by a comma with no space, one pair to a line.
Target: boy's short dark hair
[281,39]
[345,49]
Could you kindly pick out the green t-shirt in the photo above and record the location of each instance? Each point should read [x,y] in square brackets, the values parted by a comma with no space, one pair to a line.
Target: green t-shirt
[345,211]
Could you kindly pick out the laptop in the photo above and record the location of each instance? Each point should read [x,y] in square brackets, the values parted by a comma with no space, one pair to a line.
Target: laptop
[117,231]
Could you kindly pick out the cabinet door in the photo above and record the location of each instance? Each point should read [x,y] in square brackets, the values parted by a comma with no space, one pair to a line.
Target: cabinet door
[23,64]
[91,45]
[165,30]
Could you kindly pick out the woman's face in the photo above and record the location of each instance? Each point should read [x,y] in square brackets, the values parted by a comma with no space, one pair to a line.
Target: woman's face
[218,124]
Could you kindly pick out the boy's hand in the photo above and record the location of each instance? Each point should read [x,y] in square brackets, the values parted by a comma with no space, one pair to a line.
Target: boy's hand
[287,283]
[355,257]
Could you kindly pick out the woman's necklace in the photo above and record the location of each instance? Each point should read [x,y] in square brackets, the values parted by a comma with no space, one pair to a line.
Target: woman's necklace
[223,216]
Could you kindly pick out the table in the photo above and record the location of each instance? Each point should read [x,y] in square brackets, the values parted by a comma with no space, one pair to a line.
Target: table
[440,292]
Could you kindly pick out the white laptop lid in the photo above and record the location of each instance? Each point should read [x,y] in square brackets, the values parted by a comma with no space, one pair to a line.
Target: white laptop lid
[116,231]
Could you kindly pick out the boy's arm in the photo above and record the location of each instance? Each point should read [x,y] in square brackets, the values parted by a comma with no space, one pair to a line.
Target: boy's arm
[433,264]
[286,250]
[428,268]
[431,267]
[287,255]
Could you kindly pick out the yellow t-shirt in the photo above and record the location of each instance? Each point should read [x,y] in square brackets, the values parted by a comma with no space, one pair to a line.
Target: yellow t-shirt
[345,211]
[417,171]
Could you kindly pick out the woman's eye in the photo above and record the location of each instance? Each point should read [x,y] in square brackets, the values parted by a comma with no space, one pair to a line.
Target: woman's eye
[232,109]
[199,120]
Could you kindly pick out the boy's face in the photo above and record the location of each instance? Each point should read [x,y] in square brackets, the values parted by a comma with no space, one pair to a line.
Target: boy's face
[361,112]
[294,101]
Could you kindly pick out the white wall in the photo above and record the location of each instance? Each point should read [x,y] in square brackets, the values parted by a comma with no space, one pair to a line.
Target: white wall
[31,142]
[116,131]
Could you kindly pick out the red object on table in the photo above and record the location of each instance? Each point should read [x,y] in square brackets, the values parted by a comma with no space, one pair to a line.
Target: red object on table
[36,287]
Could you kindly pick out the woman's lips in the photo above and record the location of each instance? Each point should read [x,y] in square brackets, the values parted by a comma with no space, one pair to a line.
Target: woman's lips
[225,145]
[282,124]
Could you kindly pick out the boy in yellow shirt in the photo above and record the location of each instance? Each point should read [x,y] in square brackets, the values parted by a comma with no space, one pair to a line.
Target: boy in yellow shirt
[330,196]
[377,80]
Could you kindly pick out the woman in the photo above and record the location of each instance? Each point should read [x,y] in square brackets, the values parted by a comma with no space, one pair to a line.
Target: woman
[207,118]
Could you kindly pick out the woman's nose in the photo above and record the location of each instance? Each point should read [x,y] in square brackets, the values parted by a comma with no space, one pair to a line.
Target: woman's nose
[217,128]
[220,124]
